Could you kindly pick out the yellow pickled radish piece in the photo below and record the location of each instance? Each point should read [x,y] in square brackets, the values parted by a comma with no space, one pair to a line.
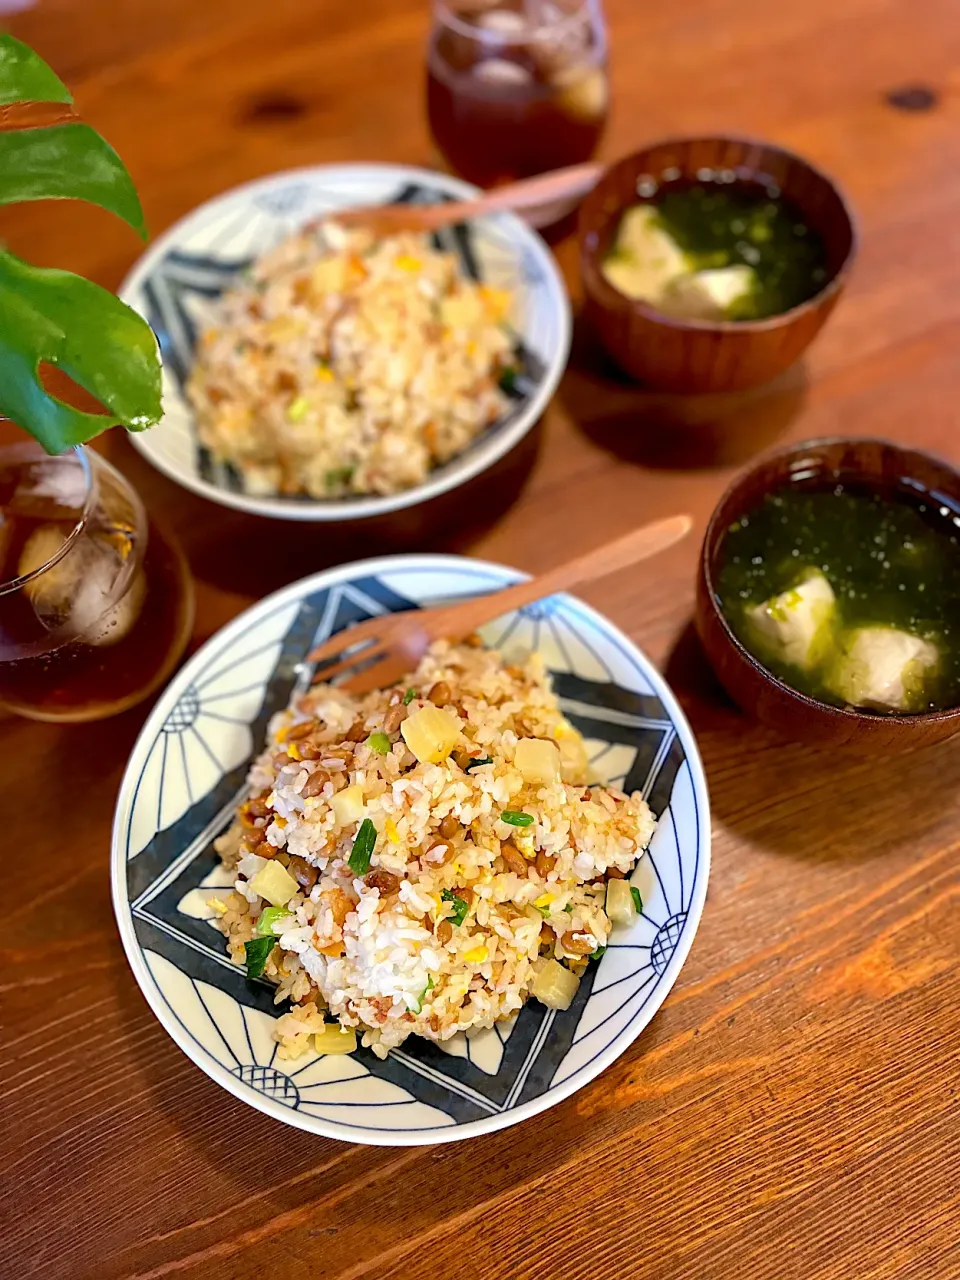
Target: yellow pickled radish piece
[538,760]
[335,1039]
[574,761]
[620,906]
[275,883]
[555,986]
[431,733]
[348,805]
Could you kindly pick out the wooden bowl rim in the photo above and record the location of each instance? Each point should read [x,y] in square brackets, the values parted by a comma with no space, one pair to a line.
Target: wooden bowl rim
[600,285]
[840,715]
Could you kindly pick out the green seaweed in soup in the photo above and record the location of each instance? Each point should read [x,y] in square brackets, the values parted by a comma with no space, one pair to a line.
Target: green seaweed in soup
[849,596]
[720,224]
[716,250]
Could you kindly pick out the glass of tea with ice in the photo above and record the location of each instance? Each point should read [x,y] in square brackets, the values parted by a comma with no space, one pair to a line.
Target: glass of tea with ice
[96,604]
[516,87]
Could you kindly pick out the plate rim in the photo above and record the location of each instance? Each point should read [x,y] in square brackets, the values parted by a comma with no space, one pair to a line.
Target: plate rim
[367,506]
[315,1124]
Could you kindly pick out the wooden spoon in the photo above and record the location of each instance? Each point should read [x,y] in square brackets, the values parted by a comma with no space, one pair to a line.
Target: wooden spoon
[383,649]
[541,200]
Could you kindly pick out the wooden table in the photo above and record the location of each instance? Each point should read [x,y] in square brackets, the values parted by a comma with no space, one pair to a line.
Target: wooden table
[792,1111]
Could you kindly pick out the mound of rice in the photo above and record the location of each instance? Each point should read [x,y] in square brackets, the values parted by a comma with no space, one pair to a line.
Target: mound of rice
[348,364]
[458,910]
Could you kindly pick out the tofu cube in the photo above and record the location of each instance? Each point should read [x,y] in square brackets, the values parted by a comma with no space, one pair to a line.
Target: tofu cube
[883,667]
[646,259]
[708,295]
[794,627]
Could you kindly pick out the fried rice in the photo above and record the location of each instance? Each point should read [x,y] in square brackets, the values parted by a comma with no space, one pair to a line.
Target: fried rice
[474,877]
[346,364]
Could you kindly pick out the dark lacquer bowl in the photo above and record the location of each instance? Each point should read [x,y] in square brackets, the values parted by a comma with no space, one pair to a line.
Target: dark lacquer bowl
[883,466]
[696,356]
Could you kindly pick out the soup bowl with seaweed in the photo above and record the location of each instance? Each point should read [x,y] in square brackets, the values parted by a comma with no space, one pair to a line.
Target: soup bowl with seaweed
[828,595]
[710,264]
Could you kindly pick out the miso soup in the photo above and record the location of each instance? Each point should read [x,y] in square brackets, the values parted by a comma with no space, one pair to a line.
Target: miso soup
[848,595]
[723,249]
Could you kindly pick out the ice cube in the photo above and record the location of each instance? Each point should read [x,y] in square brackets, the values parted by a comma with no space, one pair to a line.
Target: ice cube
[77,590]
[581,92]
[51,490]
[504,22]
[795,625]
[501,72]
[6,537]
[118,622]
[883,667]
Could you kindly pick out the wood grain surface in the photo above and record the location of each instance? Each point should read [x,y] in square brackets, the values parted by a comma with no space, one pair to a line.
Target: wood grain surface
[792,1110]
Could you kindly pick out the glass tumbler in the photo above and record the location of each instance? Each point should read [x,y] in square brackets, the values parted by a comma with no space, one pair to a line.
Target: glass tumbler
[96,604]
[516,87]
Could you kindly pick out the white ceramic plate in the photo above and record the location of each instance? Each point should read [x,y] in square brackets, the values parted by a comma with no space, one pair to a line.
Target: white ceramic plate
[177,281]
[186,775]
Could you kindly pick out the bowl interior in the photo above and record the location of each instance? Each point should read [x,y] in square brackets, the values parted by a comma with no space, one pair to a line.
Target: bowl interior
[624,184]
[187,772]
[884,467]
[176,284]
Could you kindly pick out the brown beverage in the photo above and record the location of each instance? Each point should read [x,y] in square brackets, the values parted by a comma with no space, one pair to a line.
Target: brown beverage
[516,88]
[95,600]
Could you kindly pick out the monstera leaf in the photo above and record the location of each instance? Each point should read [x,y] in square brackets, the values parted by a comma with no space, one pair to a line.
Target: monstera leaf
[54,317]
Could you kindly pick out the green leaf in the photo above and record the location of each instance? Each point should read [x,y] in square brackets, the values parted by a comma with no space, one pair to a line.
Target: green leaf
[67,162]
[256,952]
[25,77]
[53,316]
[359,860]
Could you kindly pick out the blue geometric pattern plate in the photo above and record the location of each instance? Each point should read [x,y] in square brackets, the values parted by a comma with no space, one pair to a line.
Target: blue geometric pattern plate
[177,281]
[186,775]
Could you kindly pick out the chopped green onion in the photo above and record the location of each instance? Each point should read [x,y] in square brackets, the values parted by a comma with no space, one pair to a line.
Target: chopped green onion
[637,900]
[339,475]
[380,743]
[409,696]
[544,911]
[419,1005]
[569,908]
[359,860]
[595,955]
[508,380]
[257,950]
[460,909]
[267,920]
[516,819]
[475,764]
[298,409]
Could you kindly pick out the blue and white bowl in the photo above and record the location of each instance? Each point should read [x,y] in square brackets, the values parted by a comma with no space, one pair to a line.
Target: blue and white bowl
[177,281]
[186,776]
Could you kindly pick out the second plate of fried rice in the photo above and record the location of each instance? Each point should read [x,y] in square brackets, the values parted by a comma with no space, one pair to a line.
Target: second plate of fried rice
[400,919]
[315,373]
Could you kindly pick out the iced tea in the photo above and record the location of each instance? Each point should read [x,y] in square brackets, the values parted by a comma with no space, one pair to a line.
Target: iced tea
[515,88]
[95,599]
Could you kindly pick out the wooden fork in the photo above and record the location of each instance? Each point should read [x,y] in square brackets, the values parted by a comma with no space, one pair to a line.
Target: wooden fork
[381,650]
[529,197]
